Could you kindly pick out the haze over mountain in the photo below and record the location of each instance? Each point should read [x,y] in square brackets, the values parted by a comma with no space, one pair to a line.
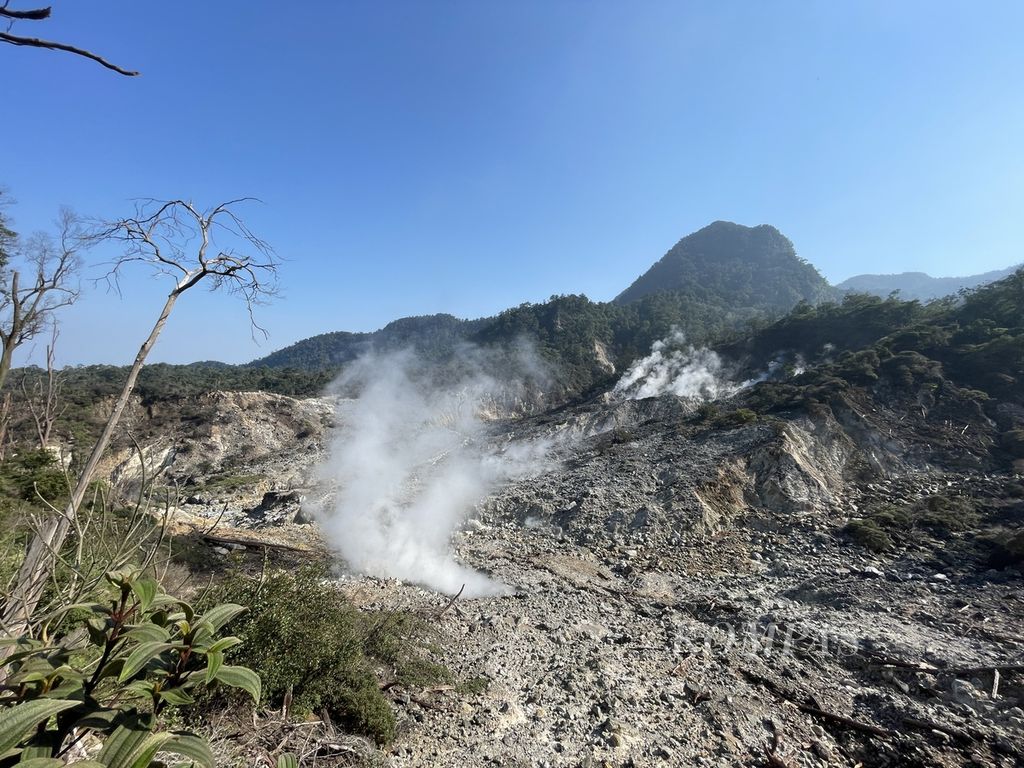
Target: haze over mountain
[920,285]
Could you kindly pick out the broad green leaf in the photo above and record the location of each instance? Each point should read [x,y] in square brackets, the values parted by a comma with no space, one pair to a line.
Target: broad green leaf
[202,634]
[241,677]
[112,668]
[192,747]
[41,762]
[17,722]
[67,672]
[214,661]
[130,745]
[21,656]
[97,629]
[145,590]
[287,760]
[29,677]
[67,689]
[30,753]
[142,655]
[120,578]
[149,633]
[220,615]
[223,644]
[98,720]
[176,696]
[137,689]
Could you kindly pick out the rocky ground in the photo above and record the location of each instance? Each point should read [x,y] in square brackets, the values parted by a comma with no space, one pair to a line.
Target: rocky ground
[683,595]
[671,609]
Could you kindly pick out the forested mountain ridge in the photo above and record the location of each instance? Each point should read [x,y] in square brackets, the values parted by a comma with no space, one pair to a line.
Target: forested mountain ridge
[952,363]
[584,344]
[713,282]
[920,285]
[431,335]
[748,266]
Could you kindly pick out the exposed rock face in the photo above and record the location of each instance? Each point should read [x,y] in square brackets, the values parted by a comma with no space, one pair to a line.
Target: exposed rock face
[226,448]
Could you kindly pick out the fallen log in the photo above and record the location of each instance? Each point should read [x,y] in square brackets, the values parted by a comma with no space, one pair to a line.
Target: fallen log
[817,711]
[248,543]
[928,725]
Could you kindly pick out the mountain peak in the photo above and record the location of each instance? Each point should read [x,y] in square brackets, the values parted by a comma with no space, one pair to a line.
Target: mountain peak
[754,264]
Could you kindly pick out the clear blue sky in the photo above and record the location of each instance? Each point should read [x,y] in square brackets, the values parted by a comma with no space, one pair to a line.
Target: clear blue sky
[468,155]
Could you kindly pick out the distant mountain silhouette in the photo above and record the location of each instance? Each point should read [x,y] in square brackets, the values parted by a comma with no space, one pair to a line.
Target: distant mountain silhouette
[918,285]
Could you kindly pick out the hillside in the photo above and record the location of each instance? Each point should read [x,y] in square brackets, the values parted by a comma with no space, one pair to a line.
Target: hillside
[734,265]
[711,284]
[919,285]
[813,538]
[431,335]
[812,535]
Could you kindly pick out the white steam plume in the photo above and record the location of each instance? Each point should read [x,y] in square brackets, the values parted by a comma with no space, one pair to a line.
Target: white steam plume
[409,460]
[674,367]
[677,368]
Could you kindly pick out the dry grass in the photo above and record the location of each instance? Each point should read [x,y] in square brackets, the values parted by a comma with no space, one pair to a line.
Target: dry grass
[259,742]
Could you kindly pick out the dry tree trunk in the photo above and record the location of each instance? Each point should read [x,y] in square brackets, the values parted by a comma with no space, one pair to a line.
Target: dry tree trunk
[47,410]
[35,569]
[158,236]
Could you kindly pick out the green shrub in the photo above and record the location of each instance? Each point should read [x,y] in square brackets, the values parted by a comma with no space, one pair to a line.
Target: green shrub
[892,517]
[706,412]
[133,656]
[887,524]
[737,418]
[229,483]
[29,475]
[867,533]
[303,636]
[944,514]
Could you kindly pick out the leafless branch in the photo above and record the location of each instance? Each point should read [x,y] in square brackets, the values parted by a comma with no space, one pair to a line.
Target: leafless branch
[176,238]
[41,14]
[43,399]
[42,282]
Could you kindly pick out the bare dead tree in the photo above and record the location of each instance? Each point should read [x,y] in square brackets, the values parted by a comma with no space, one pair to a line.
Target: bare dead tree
[5,422]
[12,15]
[8,237]
[42,281]
[43,397]
[190,246]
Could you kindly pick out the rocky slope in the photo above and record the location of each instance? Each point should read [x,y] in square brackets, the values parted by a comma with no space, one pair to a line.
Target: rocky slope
[686,592]
[691,600]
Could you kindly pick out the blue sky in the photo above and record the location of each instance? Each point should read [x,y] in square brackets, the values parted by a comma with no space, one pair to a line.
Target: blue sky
[465,156]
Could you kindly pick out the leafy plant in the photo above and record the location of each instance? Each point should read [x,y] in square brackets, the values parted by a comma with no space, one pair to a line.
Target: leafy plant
[112,676]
